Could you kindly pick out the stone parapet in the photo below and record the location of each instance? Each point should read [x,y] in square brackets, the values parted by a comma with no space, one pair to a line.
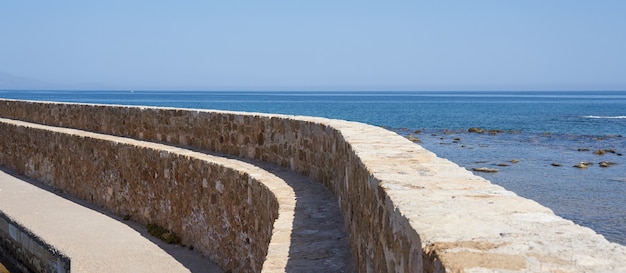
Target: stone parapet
[224,208]
[406,210]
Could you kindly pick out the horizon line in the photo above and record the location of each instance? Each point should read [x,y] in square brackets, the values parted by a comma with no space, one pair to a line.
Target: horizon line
[299,90]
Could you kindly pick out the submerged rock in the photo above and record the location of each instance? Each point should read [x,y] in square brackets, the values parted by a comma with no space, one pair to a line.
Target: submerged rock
[475,130]
[606,164]
[556,164]
[414,139]
[583,165]
[485,170]
[602,151]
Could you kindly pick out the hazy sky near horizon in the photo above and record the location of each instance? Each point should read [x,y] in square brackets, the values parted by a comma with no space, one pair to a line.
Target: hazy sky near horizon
[317,45]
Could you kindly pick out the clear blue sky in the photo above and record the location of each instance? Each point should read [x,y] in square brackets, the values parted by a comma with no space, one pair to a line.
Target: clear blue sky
[317,45]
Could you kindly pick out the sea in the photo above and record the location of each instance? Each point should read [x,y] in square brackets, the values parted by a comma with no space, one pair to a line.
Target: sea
[534,139]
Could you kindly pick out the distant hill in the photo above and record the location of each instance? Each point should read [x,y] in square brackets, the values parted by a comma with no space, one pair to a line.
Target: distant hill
[11,82]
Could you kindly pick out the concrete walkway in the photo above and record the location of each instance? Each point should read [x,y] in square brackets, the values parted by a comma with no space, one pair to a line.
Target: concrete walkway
[94,241]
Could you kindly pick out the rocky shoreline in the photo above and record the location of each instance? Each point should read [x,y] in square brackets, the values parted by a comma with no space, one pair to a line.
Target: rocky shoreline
[580,177]
[414,136]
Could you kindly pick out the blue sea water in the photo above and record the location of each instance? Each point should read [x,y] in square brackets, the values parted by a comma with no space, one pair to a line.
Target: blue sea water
[537,129]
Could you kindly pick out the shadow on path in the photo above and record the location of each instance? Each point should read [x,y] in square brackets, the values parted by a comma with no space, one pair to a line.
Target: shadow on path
[319,241]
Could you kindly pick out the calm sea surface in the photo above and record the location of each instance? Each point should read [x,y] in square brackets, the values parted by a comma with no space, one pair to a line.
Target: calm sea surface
[536,128]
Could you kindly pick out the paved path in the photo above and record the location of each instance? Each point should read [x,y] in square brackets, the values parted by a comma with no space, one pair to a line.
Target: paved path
[77,231]
[318,241]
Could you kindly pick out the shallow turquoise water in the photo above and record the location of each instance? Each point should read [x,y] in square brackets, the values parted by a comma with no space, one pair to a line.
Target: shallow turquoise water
[539,128]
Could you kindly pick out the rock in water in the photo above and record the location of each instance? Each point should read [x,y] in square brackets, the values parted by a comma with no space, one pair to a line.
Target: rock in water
[599,152]
[475,130]
[414,139]
[485,170]
[583,165]
[606,164]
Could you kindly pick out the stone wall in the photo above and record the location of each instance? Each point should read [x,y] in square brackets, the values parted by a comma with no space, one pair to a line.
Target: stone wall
[223,211]
[406,209]
[311,146]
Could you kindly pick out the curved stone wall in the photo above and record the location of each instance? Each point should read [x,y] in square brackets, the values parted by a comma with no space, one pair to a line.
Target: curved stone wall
[308,145]
[224,209]
[406,209]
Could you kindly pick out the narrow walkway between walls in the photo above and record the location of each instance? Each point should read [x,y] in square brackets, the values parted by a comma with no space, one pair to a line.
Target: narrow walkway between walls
[319,241]
[318,238]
